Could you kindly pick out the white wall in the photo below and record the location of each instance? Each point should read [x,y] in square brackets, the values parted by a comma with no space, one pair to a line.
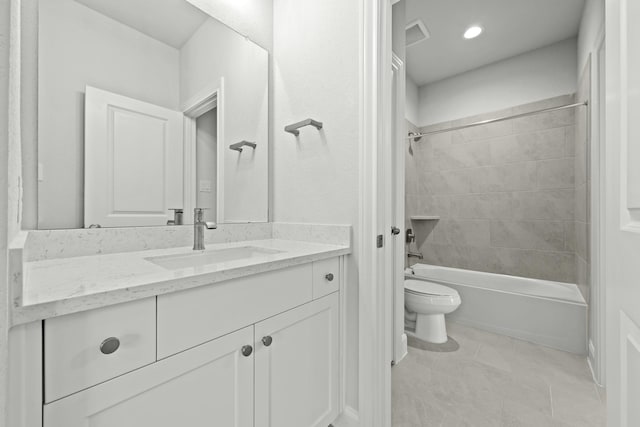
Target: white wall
[79,47]
[412,101]
[244,109]
[533,76]
[590,26]
[315,176]
[252,18]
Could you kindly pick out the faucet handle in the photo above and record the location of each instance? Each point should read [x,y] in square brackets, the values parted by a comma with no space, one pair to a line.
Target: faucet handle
[177,216]
[197,214]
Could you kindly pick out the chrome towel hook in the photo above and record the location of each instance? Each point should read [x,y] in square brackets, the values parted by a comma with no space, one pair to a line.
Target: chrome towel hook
[307,122]
[238,145]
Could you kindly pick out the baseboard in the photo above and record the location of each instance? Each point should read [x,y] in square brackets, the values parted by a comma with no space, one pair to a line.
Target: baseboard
[591,363]
[405,347]
[349,418]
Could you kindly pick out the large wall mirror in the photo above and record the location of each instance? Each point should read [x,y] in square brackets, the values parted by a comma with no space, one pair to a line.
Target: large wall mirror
[145,107]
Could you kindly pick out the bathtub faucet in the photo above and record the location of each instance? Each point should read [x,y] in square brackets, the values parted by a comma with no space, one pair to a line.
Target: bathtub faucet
[415,255]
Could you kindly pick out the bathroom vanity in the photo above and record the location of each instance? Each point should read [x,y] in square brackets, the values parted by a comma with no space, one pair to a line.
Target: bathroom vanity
[245,333]
[148,137]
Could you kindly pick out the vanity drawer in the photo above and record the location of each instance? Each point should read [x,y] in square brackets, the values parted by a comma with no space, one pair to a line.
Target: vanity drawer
[189,318]
[326,277]
[87,348]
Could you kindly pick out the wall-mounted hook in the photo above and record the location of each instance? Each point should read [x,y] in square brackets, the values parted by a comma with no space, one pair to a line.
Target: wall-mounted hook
[238,145]
[308,122]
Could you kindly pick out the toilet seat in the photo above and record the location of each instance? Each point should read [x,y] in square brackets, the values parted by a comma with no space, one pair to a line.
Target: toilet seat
[423,287]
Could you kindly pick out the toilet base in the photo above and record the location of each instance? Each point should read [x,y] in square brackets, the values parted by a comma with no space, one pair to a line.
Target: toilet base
[431,328]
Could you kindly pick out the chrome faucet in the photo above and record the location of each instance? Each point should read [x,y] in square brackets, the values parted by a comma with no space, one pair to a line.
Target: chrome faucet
[198,229]
[178,217]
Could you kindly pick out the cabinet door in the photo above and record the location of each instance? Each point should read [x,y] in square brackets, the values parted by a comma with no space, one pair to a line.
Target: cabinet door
[297,366]
[209,385]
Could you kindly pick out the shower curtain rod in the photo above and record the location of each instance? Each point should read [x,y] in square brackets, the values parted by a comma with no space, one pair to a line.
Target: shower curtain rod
[417,136]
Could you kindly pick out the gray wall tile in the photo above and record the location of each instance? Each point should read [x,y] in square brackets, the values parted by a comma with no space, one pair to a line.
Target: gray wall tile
[505,193]
[463,232]
[481,206]
[545,204]
[508,177]
[539,145]
[542,235]
[556,173]
[538,264]
[570,236]
[582,244]
[460,156]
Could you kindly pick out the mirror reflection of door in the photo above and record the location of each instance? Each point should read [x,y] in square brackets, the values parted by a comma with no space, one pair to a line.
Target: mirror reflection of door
[206,163]
[164,54]
[133,160]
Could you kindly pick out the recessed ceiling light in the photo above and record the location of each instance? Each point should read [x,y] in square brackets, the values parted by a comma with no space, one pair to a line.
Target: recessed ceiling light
[473,32]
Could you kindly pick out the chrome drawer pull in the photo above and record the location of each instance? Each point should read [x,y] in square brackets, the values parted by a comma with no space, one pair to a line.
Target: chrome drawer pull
[110,345]
[329,277]
[247,350]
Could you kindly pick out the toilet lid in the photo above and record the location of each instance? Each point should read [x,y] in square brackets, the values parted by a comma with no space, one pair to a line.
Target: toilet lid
[428,288]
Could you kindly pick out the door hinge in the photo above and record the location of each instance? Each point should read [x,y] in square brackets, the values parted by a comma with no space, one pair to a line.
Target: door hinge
[380,241]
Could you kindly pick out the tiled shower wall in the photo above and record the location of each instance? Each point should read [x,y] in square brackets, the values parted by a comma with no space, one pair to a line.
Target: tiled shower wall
[504,193]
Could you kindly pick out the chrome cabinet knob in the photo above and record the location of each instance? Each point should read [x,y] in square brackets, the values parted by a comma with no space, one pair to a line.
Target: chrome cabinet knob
[329,277]
[395,231]
[247,350]
[110,345]
[267,341]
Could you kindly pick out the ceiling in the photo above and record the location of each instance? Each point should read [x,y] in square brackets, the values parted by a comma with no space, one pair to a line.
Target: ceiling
[511,27]
[172,22]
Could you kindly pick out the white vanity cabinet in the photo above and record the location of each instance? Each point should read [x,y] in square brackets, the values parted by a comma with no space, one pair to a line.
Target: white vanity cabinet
[297,366]
[276,362]
[210,385]
[87,348]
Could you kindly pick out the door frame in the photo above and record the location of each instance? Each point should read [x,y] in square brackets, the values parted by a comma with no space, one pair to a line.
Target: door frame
[596,123]
[398,344]
[374,377]
[204,101]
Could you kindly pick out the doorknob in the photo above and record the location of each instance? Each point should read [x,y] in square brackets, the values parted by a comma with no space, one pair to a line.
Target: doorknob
[395,231]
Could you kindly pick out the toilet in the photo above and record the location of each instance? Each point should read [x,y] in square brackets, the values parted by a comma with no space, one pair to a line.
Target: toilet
[426,303]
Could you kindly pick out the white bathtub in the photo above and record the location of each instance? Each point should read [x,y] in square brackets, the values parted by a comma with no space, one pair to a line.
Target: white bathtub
[553,314]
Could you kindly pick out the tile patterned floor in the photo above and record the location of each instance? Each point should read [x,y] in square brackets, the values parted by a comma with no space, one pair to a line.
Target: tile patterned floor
[495,381]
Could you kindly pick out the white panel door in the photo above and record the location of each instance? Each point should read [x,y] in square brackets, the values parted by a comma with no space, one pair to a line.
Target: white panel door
[622,233]
[297,371]
[133,161]
[209,385]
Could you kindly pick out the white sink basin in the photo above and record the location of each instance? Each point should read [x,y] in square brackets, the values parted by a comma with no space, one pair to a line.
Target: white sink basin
[208,257]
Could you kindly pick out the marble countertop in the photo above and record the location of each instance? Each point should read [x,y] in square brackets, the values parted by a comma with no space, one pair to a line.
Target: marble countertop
[55,287]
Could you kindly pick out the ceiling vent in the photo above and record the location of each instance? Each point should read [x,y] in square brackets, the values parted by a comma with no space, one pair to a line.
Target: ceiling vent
[416,32]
